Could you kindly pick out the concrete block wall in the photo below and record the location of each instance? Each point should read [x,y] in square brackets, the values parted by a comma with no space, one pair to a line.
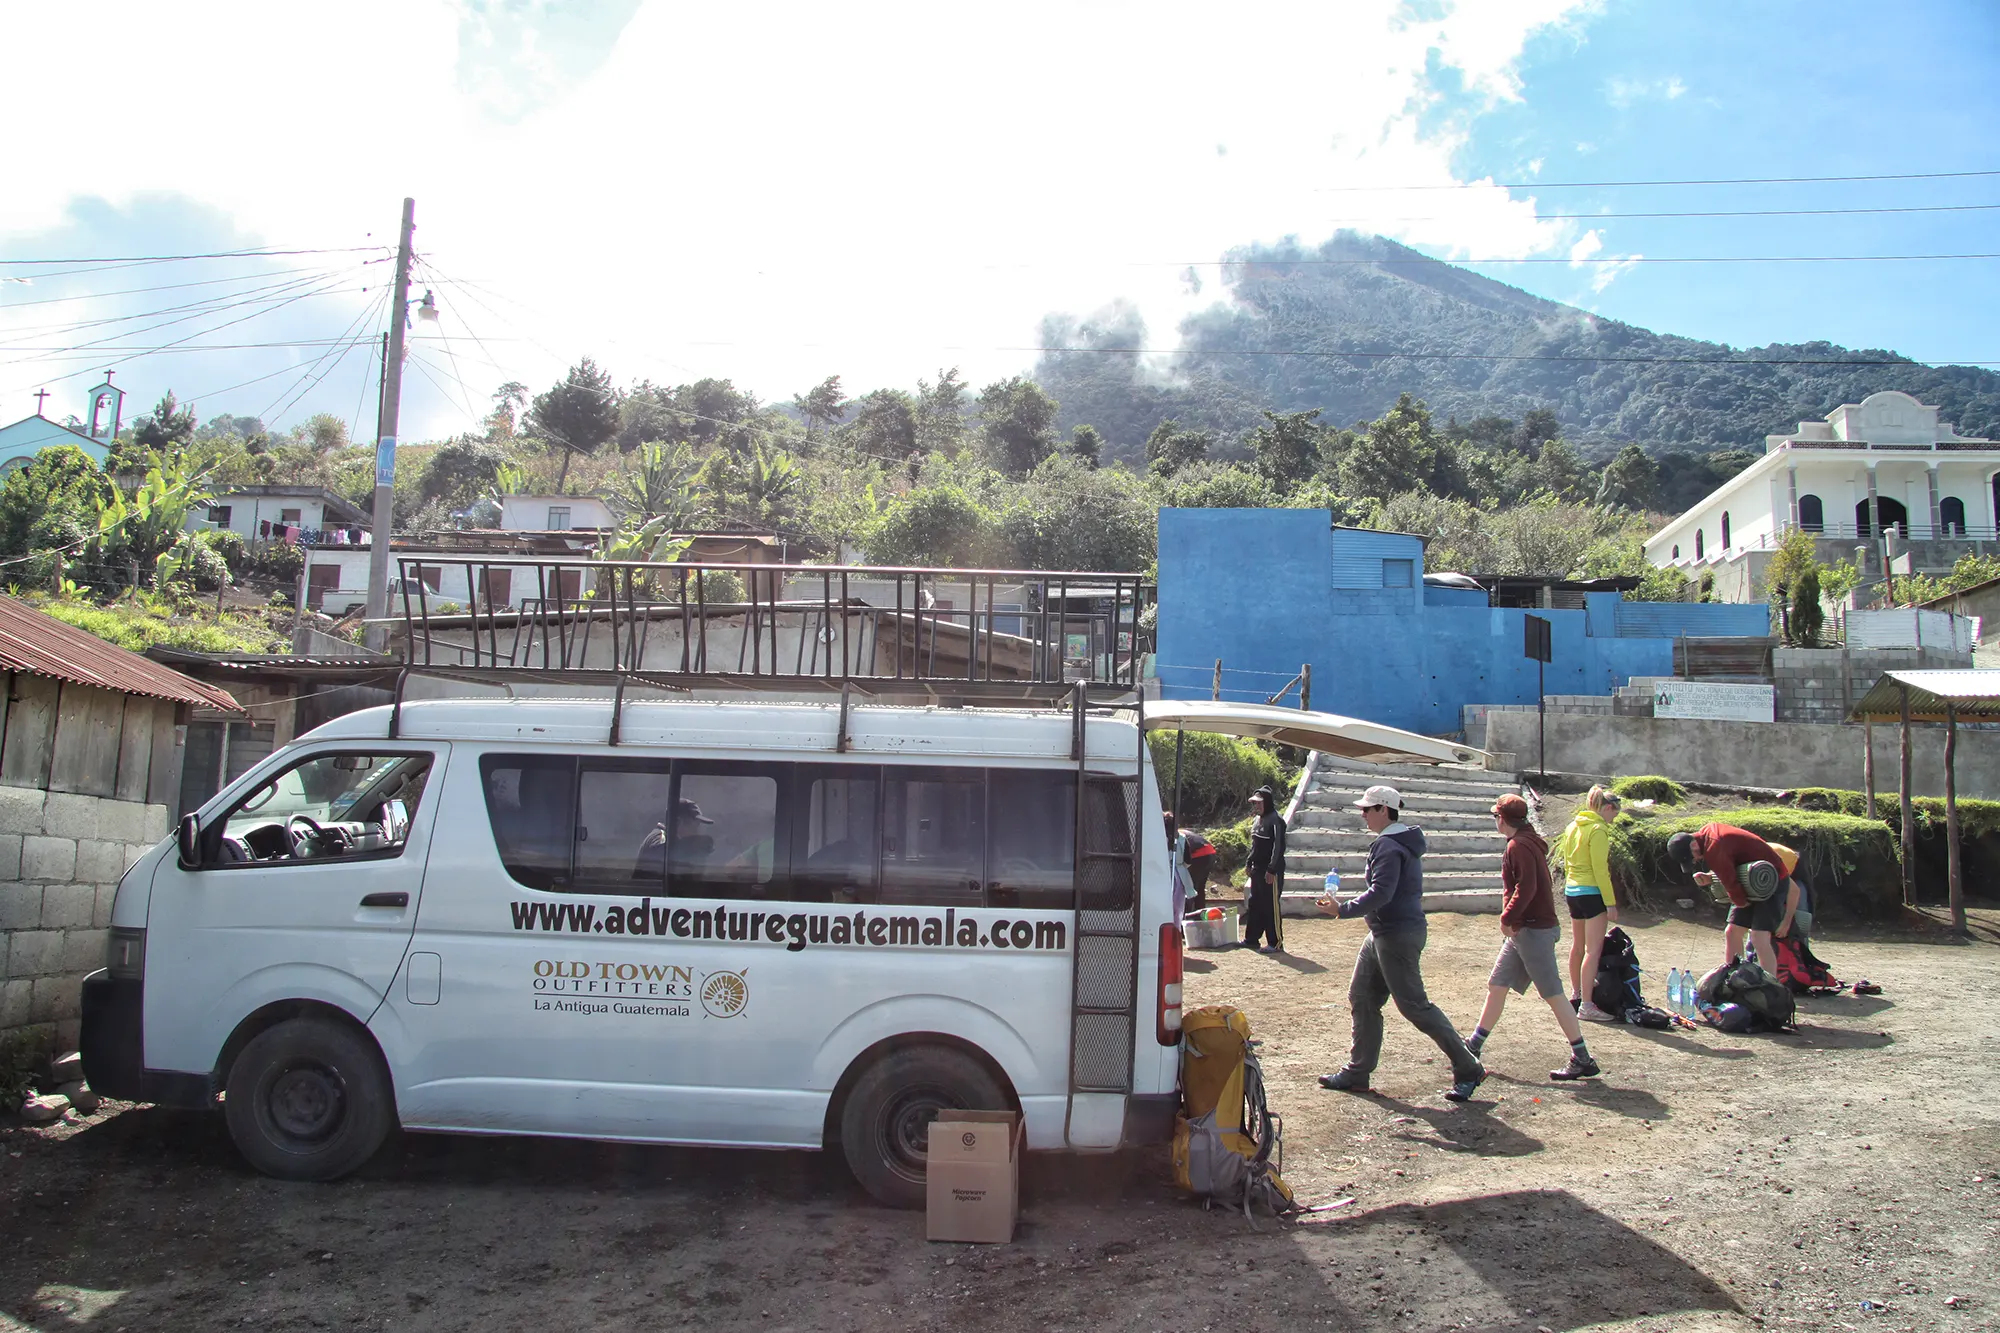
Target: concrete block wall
[1822,684]
[61,857]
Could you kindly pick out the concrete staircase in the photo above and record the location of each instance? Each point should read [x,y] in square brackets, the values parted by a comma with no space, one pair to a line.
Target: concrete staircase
[1452,805]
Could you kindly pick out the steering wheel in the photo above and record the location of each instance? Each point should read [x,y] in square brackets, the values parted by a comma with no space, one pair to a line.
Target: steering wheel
[311,839]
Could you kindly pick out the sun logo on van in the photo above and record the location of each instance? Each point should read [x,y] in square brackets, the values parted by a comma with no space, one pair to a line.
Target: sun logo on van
[724,994]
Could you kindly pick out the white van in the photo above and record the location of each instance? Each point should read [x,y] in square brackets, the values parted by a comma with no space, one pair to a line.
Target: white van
[743,924]
[735,926]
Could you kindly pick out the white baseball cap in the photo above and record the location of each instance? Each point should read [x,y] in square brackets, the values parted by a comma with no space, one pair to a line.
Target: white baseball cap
[1388,796]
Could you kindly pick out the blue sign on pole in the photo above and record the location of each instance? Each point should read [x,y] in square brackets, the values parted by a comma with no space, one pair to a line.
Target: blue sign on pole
[385,461]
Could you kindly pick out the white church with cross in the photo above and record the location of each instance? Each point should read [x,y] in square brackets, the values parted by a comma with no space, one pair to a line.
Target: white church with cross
[1884,464]
[22,441]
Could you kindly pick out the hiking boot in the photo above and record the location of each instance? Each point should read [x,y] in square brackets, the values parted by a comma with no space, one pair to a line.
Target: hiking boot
[1348,1079]
[1462,1090]
[1579,1066]
[1590,1013]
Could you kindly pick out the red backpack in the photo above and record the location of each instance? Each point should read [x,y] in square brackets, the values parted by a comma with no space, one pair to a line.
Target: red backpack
[1800,970]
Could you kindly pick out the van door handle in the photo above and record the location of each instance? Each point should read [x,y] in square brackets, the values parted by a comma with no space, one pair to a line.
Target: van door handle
[386,900]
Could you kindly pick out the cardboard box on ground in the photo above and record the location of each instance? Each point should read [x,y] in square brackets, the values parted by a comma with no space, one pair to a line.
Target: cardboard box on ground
[972,1171]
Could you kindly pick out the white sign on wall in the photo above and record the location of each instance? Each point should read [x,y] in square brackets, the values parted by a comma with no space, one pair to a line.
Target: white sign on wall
[1715,701]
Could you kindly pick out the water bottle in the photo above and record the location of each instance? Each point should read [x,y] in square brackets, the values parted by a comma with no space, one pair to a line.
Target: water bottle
[1690,994]
[1674,993]
[1333,885]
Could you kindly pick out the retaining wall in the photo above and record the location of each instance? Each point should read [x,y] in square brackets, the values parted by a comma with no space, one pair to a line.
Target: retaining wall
[1749,754]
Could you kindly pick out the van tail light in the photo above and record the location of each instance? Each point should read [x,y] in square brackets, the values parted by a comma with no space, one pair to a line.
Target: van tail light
[1169,1031]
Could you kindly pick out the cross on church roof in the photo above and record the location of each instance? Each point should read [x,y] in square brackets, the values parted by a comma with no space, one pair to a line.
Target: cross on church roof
[41,395]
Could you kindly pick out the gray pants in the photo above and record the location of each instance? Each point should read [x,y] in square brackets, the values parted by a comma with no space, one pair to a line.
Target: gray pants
[1390,965]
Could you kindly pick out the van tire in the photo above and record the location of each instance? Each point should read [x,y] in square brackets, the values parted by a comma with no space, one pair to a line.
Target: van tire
[888,1113]
[308,1099]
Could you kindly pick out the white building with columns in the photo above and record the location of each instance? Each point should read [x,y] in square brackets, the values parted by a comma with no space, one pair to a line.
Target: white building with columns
[1885,463]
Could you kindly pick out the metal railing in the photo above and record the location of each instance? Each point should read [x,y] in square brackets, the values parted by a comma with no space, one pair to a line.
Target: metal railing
[798,625]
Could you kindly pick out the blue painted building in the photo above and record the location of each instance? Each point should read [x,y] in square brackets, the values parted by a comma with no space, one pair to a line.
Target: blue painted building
[20,442]
[1266,590]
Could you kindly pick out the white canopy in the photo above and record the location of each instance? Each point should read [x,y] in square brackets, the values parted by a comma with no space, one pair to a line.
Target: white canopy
[1328,733]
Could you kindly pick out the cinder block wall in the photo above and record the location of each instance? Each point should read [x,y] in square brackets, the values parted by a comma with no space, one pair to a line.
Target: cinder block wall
[61,856]
[1822,684]
[86,779]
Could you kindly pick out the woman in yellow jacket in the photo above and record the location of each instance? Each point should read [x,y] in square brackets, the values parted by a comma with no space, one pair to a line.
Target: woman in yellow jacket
[1586,853]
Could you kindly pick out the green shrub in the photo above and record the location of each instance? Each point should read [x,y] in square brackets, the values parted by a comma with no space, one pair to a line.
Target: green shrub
[1650,787]
[228,544]
[1232,852]
[1976,818]
[276,560]
[1835,850]
[1218,776]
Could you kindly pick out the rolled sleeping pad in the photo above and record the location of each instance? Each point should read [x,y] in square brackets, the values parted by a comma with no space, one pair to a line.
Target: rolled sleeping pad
[1760,879]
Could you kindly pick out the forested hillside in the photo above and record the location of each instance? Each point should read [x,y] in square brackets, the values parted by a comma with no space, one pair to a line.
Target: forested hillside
[1354,324]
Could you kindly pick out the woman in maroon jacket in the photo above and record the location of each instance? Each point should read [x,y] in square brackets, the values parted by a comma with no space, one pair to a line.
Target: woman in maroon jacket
[1529,930]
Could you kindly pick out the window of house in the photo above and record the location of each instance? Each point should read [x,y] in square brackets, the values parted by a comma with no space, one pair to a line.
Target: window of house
[1812,513]
[291,515]
[1951,516]
[1725,529]
[558,518]
[219,514]
[1677,550]
[1698,544]
[1398,573]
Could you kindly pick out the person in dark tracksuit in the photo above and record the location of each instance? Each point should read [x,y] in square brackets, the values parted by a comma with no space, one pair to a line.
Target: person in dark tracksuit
[1266,871]
[1390,962]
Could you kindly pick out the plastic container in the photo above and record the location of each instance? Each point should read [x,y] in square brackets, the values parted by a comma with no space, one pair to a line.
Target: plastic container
[1214,931]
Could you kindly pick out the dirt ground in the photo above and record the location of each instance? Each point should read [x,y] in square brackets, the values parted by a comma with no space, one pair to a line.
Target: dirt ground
[1706,1182]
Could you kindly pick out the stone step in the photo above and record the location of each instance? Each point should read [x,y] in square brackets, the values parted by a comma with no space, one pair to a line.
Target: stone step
[1392,774]
[1311,839]
[1433,880]
[1344,798]
[1348,863]
[1424,780]
[1296,904]
[1456,821]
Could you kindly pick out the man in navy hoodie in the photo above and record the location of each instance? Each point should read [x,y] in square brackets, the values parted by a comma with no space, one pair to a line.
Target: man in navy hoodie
[1390,963]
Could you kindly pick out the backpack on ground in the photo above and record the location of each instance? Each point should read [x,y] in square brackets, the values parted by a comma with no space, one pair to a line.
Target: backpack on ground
[1741,982]
[1616,989]
[1227,1141]
[1804,973]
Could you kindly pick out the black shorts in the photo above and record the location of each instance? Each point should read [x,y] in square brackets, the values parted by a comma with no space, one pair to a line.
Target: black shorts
[1583,906]
[1759,916]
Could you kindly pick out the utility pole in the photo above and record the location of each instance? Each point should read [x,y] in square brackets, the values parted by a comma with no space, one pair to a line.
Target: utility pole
[377,634]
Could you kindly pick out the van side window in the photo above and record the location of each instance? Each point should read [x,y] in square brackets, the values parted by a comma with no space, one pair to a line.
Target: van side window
[622,818]
[723,839]
[341,806]
[934,836]
[1031,838]
[836,834]
[1105,869]
[531,801]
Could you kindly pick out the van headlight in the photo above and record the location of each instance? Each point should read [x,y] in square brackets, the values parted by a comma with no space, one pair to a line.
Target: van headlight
[125,953]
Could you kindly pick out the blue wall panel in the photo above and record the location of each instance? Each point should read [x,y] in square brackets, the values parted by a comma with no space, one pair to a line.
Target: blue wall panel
[1266,590]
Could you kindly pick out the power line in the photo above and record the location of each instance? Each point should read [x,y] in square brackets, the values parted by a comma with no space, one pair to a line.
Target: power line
[164,287]
[213,254]
[1738,213]
[191,309]
[1613,185]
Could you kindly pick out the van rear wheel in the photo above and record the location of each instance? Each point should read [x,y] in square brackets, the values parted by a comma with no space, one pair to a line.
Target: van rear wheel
[885,1125]
[308,1099]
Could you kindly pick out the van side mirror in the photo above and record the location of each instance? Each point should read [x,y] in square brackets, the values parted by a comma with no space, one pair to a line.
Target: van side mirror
[190,841]
[395,821]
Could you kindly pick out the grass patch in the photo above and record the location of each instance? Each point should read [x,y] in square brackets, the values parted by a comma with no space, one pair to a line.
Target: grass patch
[1232,851]
[1218,776]
[1834,849]
[1650,787]
[1976,819]
[141,627]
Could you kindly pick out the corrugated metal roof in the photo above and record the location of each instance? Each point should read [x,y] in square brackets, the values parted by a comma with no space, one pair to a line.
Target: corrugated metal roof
[43,646]
[1974,695]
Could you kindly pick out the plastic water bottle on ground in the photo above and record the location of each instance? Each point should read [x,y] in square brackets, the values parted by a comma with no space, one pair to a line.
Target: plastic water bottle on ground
[1674,989]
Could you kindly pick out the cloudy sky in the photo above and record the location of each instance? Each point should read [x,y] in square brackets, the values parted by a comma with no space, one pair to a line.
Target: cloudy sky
[776,192]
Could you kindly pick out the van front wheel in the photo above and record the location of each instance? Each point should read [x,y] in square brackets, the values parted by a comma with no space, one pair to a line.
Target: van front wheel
[308,1100]
[885,1125]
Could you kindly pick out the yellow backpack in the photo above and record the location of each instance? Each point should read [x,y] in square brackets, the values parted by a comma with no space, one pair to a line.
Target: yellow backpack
[1227,1141]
